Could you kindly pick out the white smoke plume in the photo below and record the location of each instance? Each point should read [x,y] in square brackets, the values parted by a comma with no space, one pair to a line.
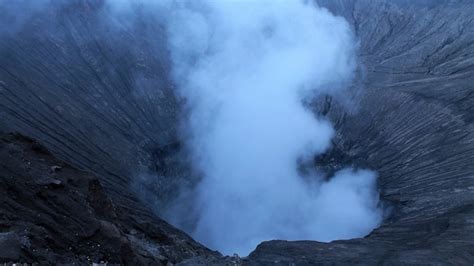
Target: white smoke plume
[244,68]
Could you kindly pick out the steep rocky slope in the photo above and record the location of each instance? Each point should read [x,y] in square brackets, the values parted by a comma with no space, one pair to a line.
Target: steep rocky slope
[52,212]
[98,96]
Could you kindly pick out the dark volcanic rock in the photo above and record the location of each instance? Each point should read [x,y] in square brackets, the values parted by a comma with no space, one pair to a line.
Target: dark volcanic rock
[99,98]
[65,216]
[92,89]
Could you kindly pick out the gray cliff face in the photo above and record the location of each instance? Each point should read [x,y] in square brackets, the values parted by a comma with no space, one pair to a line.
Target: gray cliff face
[100,98]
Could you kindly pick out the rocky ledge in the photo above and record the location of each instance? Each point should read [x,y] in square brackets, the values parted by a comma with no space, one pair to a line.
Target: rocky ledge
[52,212]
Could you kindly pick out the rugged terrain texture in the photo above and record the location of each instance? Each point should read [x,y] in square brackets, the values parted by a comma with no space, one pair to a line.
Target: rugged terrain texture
[52,212]
[99,98]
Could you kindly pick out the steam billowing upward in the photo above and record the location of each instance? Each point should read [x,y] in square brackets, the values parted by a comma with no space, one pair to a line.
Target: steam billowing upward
[218,115]
[244,68]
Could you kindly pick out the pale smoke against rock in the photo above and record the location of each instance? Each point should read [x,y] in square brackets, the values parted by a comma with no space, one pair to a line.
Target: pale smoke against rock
[243,68]
[93,87]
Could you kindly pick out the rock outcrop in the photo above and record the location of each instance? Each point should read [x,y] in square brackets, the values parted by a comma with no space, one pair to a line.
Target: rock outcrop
[52,212]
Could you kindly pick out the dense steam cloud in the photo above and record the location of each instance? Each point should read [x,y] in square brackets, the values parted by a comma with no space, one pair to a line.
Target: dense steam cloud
[244,68]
